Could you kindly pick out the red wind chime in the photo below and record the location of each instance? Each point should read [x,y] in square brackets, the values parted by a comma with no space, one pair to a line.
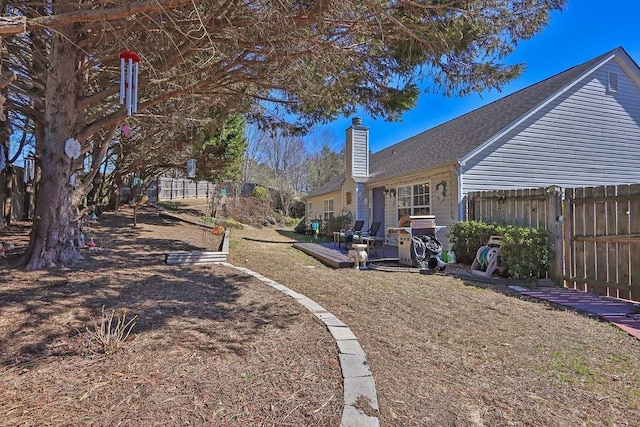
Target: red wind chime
[129,67]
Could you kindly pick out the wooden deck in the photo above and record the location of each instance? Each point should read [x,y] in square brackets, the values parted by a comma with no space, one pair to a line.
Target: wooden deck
[336,257]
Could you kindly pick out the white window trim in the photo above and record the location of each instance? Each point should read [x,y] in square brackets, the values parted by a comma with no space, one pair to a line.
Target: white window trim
[412,206]
[325,211]
[613,81]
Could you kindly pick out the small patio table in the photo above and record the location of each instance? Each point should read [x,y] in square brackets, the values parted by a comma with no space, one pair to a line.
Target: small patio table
[372,243]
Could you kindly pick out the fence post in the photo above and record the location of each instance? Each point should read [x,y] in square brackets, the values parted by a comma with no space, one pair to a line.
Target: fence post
[471,212]
[554,224]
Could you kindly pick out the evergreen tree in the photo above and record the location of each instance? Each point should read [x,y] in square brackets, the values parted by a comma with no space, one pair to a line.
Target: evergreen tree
[219,156]
[307,60]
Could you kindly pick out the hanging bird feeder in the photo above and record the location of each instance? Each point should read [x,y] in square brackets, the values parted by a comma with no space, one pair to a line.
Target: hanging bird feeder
[129,67]
[191,168]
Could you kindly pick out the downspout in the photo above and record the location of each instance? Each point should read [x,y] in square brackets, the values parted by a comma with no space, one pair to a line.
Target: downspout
[459,177]
[356,203]
[362,203]
[369,205]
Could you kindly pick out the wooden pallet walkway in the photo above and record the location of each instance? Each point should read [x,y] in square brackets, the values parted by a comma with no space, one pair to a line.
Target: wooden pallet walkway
[622,313]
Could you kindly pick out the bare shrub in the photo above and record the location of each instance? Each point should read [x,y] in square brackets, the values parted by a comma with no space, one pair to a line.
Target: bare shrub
[109,336]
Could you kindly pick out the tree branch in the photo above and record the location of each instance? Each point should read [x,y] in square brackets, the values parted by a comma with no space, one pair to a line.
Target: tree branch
[11,25]
[95,15]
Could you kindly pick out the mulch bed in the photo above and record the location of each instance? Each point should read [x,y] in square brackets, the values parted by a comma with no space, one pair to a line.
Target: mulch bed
[209,346]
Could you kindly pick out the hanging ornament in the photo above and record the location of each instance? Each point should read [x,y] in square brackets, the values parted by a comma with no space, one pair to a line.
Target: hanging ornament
[29,169]
[126,129]
[72,148]
[191,168]
[129,65]
[73,181]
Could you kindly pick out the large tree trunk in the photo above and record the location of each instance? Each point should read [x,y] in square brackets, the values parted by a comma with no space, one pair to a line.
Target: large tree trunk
[8,194]
[55,223]
[9,172]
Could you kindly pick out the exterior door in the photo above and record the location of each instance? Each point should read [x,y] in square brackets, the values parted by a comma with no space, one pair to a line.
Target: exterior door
[378,209]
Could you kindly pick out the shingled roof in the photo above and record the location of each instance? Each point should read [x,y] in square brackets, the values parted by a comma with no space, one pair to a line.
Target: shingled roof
[334,185]
[451,141]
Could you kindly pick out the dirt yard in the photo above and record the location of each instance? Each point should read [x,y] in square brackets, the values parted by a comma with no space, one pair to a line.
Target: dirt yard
[214,347]
[210,347]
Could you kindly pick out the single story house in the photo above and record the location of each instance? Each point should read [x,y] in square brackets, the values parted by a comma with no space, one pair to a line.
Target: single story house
[578,128]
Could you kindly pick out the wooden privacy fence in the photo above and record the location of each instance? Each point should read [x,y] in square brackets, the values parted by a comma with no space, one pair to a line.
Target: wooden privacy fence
[596,232]
[22,203]
[602,236]
[537,208]
[172,188]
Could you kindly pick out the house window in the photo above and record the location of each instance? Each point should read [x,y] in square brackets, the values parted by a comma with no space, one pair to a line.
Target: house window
[613,82]
[413,200]
[328,209]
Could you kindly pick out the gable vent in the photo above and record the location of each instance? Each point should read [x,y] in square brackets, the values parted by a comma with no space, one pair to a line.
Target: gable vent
[613,82]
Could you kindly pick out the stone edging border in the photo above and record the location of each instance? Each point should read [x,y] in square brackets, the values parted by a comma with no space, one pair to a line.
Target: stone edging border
[358,382]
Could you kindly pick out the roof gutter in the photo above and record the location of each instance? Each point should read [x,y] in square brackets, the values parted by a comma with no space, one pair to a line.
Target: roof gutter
[417,173]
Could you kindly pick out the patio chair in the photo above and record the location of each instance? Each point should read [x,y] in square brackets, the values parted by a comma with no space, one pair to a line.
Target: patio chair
[357,226]
[372,232]
[346,236]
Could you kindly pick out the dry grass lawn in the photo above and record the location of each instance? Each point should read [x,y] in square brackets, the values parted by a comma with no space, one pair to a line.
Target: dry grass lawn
[445,352]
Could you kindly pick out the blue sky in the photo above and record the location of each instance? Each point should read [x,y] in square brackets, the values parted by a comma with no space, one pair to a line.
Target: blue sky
[582,31]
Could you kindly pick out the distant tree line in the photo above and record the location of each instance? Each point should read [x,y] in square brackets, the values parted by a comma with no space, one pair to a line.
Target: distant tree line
[290,164]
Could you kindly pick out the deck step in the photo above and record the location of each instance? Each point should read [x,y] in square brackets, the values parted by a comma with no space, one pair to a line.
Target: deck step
[195,257]
[329,256]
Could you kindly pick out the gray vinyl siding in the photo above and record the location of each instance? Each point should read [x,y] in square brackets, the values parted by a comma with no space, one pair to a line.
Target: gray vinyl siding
[390,211]
[360,153]
[445,210]
[586,137]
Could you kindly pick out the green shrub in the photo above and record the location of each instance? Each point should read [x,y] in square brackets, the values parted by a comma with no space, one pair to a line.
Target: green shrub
[467,237]
[297,208]
[337,223]
[526,252]
[291,222]
[262,194]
